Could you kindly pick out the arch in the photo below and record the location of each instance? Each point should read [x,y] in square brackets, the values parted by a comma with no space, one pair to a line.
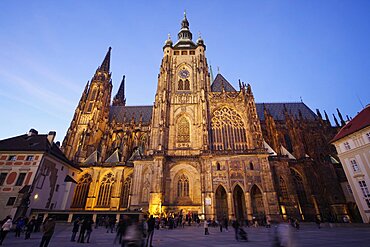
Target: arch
[239,203]
[126,188]
[81,191]
[221,203]
[180,85]
[218,166]
[228,130]
[299,186]
[258,208]
[183,130]
[105,190]
[251,167]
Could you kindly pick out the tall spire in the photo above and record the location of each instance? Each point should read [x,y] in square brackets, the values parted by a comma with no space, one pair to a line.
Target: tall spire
[105,66]
[120,99]
[185,36]
[342,122]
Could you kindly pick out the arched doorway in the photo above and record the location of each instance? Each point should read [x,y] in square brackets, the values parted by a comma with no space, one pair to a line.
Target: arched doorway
[239,203]
[257,204]
[221,203]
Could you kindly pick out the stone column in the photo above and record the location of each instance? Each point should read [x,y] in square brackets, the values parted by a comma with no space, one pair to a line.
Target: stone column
[248,204]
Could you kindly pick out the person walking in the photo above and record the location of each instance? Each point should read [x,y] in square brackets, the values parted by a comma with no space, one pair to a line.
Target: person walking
[19,227]
[220,224]
[318,222]
[76,226]
[236,226]
[206,232]
[5,229]
[48,231]
[88,230]
[81,237]
[151,224]
[226,223]
[30,227]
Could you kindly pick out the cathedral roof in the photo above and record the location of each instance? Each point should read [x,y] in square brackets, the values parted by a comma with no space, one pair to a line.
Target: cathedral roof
[120,112]
[359,122]
[277,110]
[220,82]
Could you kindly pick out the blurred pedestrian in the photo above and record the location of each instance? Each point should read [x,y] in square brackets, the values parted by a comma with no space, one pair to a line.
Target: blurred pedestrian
[48,230]
[206,232]
[76,227]
[151,224]
[30,227]
[5,228]
[89,224]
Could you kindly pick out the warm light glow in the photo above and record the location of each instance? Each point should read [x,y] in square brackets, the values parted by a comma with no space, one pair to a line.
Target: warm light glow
[283,211]
[36,196]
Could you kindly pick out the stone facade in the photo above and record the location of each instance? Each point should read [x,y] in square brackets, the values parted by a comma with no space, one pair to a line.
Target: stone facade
[203,147]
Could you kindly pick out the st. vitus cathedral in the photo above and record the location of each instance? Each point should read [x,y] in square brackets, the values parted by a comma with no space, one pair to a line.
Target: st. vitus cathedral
[203,147]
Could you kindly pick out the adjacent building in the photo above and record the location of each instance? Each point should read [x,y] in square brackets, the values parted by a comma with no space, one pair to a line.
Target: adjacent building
[34,175]
[353,146]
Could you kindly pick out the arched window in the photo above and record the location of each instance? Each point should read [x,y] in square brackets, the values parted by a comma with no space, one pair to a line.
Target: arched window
[298,182]
[187,85]
[228,132]
[125,192]
[183,130]
[251,167]
[183,186]
[93,94]
[180,85]
[81,191]
[105,191]
[283,189]
[218,166]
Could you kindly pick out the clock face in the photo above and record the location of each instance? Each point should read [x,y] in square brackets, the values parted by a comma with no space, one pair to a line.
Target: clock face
[184,73]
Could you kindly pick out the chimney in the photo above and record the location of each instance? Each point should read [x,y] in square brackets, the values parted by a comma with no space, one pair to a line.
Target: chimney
[32,132]
[51,136]
[58,144]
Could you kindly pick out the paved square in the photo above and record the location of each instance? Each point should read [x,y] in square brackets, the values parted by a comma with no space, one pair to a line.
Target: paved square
[308,235]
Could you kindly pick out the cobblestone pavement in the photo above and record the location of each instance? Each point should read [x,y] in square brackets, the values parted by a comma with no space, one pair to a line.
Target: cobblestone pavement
[308,235]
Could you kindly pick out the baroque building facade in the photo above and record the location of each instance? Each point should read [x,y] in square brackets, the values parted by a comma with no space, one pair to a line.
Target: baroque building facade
[203,147]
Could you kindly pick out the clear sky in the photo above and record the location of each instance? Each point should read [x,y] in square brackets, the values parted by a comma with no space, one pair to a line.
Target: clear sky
[317,50]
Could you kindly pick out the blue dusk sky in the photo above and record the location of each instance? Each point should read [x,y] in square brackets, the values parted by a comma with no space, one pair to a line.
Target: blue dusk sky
[317,51]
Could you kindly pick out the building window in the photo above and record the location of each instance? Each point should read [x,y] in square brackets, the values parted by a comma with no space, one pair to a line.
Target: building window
[81,191]
[90,107]
[105,191]
[251,167]
[125,192]
[2,178]
[183,130]
[354,165]
[346,146]
[187,85]
[192,52]
[57,188]
[184,52]
[183,186]
[176,53]
[283,189]
[364,189]
[20,179]
[62,168]
[218,166]
[368,136]
[40,181]
[367,202]
[11,201]
[349,189]
[180,85]
[12,158]
[29,158]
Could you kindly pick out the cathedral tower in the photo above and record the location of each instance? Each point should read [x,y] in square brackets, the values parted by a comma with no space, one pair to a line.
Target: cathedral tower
[91,116]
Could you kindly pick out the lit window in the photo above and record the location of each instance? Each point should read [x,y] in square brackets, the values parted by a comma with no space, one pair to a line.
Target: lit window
[11,201]
[354,165]
[2,178]
[20,179]
[11,158]
[347,146]
[29,158]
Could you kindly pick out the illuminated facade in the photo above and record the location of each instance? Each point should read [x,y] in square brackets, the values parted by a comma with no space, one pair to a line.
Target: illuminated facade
[202,147]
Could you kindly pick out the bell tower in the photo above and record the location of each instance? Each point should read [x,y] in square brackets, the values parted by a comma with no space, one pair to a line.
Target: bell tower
[179,121]
[91,116]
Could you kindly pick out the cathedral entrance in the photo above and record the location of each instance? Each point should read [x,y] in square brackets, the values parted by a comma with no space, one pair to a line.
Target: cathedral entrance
[239,203]
[221,203]
[257,205]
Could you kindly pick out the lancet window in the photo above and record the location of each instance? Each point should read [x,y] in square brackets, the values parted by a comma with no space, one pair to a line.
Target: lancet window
[105,191]
[81,191]
[283,189]
[180,85]
[183,186]
[298,182]
[228,131]
[183,130]
[126,192]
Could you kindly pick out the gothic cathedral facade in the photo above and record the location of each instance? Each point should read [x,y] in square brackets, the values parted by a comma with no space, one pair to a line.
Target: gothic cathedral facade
[203,147]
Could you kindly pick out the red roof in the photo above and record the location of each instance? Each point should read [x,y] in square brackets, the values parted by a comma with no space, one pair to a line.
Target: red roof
[359,122]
